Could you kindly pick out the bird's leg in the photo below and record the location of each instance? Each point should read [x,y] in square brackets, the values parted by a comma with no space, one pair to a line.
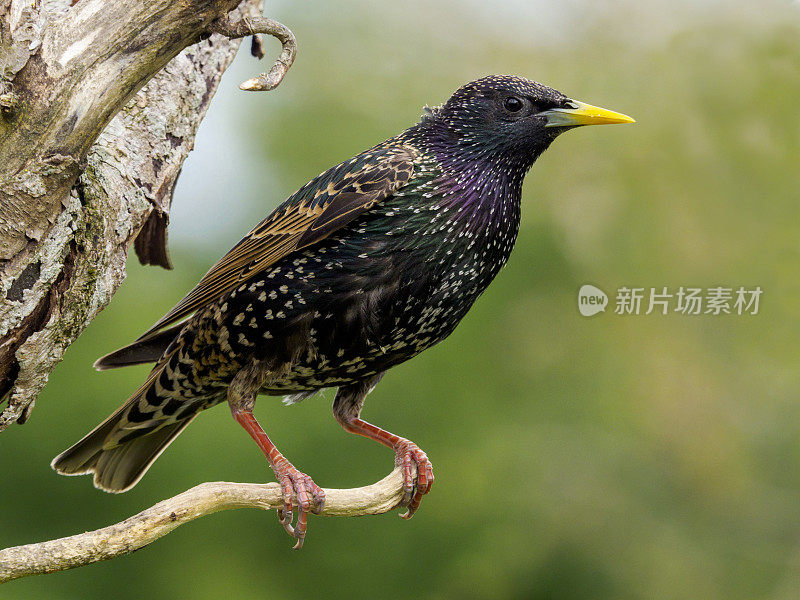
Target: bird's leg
[242,394]
[347,409]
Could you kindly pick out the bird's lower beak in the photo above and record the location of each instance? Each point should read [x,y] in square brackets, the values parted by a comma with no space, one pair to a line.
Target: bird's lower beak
[583,114]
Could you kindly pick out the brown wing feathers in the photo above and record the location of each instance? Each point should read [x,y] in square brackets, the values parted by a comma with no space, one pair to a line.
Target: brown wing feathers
[300,222]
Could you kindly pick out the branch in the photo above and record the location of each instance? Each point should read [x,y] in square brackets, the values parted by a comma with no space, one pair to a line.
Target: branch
[207,498]
[255,26]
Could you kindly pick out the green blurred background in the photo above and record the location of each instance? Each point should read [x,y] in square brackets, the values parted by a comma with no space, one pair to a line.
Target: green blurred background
[613,457]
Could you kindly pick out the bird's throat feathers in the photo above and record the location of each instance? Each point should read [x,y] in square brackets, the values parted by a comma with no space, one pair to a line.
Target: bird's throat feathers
[480,182]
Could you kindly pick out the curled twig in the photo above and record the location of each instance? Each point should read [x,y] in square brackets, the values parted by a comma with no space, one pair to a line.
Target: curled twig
[157,521]
[255,26]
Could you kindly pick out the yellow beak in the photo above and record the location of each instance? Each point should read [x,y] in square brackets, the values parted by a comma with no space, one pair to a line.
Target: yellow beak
[583,114]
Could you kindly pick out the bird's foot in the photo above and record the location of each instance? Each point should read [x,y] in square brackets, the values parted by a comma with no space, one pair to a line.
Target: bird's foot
[310,497]
[414,488]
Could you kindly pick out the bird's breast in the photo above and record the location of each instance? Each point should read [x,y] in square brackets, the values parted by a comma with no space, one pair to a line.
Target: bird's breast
[394,282]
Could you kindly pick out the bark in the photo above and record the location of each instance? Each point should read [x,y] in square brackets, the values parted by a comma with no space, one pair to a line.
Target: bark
[99,105]
[157,521]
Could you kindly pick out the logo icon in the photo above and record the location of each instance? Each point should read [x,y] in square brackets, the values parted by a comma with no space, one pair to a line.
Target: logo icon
[591,300]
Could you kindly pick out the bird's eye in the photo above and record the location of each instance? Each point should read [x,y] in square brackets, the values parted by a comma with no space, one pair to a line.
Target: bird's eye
[513,104]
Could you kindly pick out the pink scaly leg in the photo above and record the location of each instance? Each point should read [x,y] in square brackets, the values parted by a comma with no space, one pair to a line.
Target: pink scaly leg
[310,497]
[347,408]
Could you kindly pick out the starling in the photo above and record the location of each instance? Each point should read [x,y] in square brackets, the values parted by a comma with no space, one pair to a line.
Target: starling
[364,267]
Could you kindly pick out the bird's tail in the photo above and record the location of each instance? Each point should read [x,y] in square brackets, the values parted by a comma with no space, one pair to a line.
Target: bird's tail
[119,468]
[118,451]
[146,349]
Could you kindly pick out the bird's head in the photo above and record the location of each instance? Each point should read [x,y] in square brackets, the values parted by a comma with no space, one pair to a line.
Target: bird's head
[509,118]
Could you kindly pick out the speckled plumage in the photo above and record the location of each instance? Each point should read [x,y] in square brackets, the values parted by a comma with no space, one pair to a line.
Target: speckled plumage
[366,266]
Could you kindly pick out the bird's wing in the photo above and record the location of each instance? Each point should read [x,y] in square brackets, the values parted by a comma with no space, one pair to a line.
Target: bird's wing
[325,204]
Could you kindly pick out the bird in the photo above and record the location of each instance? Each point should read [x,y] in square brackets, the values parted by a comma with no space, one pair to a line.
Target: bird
[364,267]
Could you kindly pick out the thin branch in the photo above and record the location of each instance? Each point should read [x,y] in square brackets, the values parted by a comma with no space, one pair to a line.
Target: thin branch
[255,26]
[157,521]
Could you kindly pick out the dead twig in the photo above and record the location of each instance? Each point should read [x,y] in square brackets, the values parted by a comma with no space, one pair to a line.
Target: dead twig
[157,521]
[255,26]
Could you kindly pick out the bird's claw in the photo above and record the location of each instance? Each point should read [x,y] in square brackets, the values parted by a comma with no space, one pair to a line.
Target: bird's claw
[310,498]
[414,488]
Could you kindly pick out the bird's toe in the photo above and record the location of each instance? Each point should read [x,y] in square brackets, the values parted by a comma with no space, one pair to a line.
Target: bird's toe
[310,498]
[415,484]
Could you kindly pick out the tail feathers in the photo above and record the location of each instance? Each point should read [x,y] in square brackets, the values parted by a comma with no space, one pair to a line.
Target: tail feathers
[81,457]
[144,350]
[118,463]
[119,468]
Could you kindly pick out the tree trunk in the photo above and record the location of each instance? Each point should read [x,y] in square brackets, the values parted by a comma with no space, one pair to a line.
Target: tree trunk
[99,105]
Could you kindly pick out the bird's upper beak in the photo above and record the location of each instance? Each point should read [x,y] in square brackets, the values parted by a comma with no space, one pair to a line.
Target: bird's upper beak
[583,114]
